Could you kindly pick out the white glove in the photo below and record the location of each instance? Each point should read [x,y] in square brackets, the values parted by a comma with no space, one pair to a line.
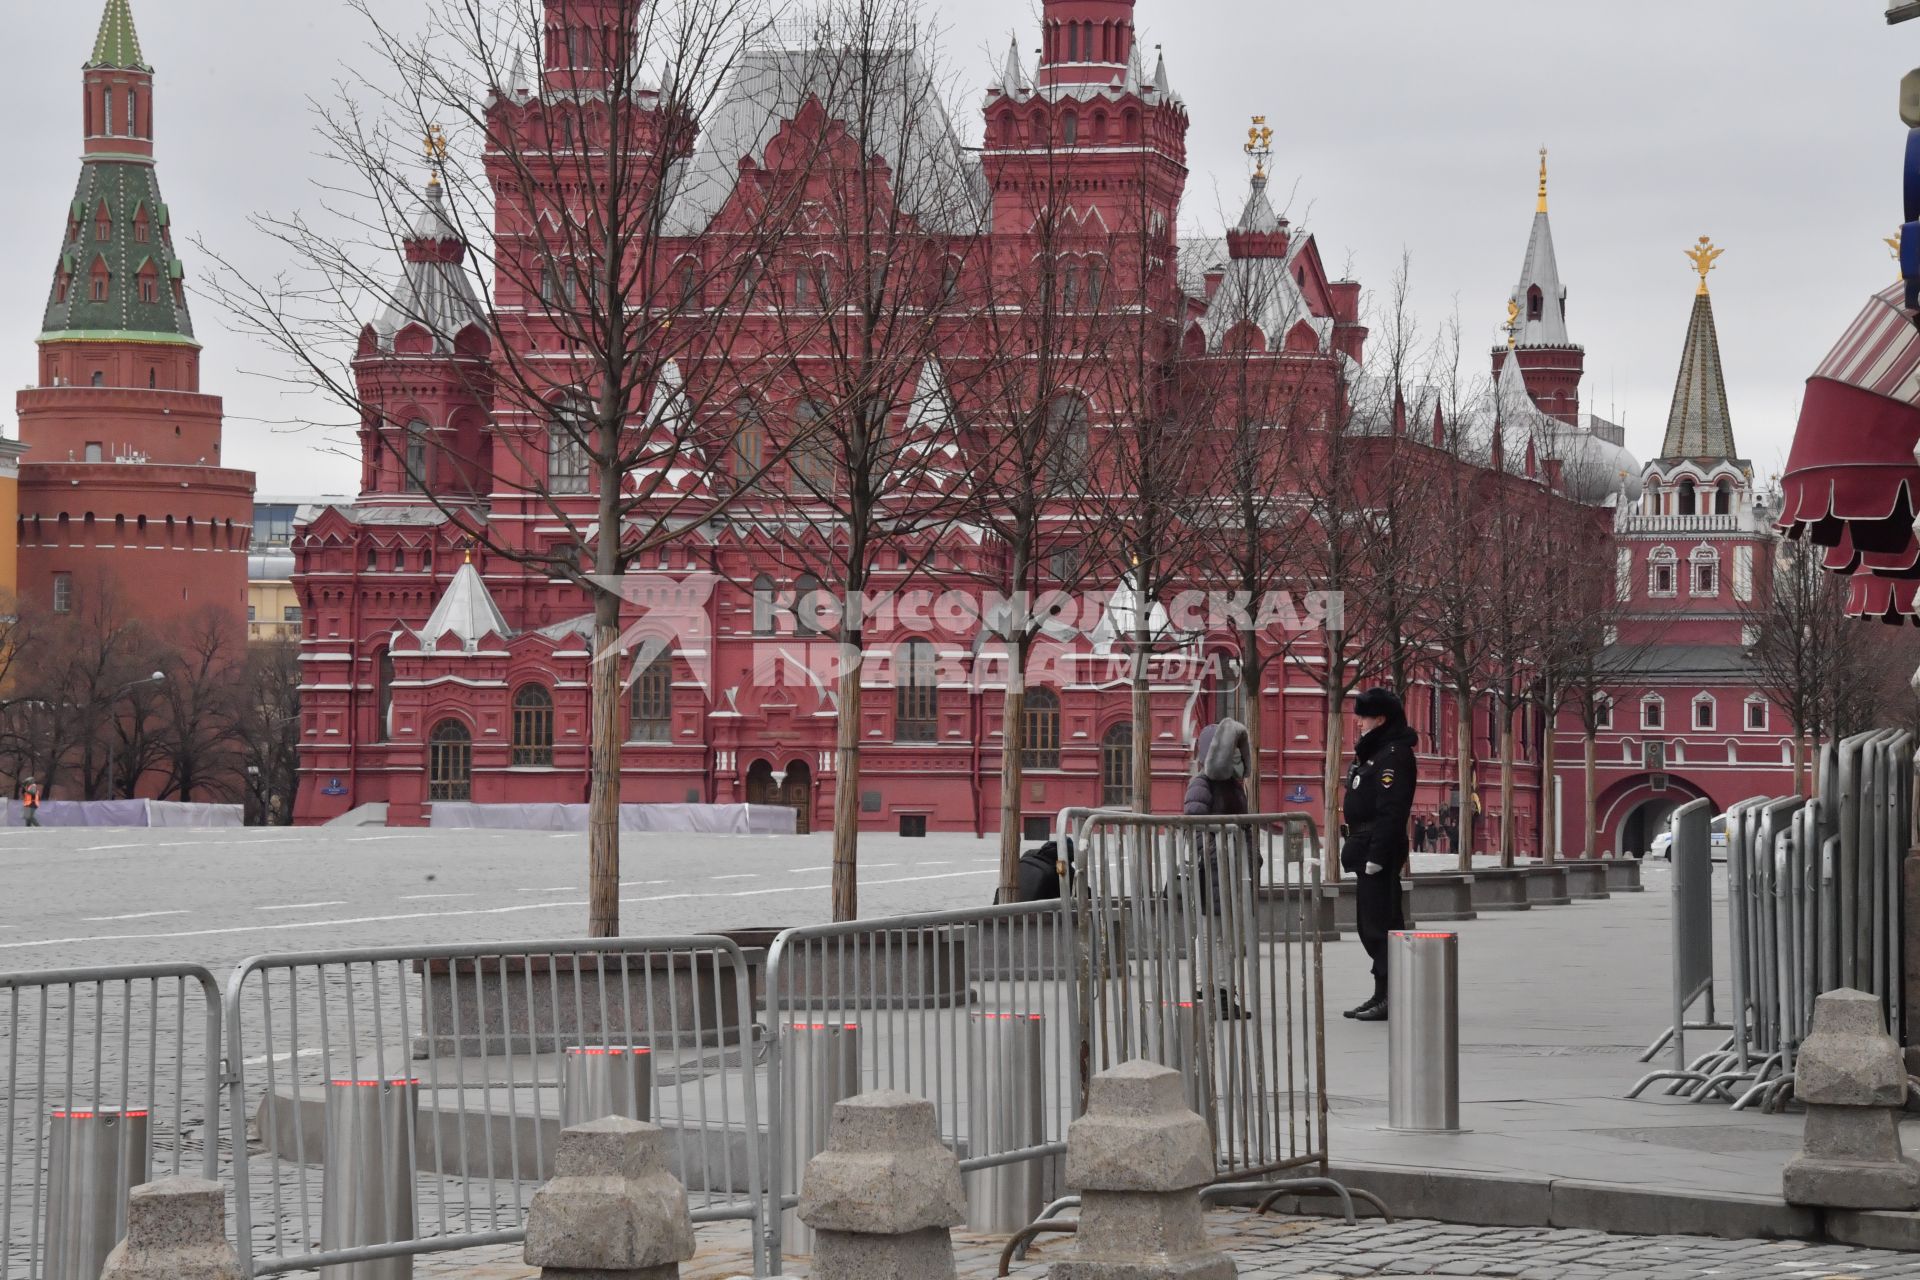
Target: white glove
[1374,868]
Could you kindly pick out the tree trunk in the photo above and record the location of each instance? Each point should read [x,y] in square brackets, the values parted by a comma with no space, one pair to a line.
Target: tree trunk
[1591,804]
[1250,716]
[1508,835]
[1549,800]
[1333,771]
[1800,763]
[1463,716]
[846,788]
[1012,780]
[1142,726]
[603,787]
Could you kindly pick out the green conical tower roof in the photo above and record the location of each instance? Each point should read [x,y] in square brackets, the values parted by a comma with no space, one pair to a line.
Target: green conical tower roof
[1700,425]
[118,44]
[118,276]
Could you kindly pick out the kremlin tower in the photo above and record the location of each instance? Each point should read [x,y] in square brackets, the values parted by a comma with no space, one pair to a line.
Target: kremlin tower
[1537,325]
[123,488]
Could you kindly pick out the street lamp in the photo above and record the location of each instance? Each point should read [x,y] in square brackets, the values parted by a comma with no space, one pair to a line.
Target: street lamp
[158,677]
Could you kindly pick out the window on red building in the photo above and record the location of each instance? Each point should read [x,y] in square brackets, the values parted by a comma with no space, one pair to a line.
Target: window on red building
[1116,767]
[650,706]
[1040,730]
[1703,712]
[916,693]
[1757,715]
[450,762]
[533,728]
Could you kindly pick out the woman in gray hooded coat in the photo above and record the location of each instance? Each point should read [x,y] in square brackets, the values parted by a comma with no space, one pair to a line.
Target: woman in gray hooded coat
[1223,759]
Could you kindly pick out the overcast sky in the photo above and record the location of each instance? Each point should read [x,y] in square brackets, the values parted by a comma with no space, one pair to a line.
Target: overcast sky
[1402,126]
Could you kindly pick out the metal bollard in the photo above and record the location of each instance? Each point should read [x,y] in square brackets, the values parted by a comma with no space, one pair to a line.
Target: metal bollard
[1007,1111]
[367,1184]
[94,1160]
[821,1061]
[1423,1032]
[611,1081]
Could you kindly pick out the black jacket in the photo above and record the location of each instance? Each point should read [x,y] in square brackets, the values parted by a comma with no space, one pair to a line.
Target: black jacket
[1379,802]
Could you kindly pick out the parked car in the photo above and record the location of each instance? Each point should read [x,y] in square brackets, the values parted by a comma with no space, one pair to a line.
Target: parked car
[1663,845]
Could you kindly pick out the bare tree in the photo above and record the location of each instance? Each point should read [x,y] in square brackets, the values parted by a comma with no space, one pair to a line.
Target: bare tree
[1806,654]
[267,724]
[594,268]
[877,276]
[200,741]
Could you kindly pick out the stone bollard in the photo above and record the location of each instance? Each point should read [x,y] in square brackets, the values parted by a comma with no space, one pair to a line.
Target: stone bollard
[883,1197]
[612,1209]
[1852,1079]
[176,1230]
[1139,1158]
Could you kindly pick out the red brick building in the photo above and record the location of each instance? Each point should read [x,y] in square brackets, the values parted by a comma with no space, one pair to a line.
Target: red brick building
[1695,565]
[436,672]
[123,488]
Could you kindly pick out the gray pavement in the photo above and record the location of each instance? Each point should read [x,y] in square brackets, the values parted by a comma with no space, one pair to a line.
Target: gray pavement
[71,898]
[1280,1248]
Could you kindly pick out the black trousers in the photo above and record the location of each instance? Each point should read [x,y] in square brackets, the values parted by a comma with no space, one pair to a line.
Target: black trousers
[1379,904]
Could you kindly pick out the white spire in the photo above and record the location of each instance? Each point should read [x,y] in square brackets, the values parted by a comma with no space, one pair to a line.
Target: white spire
[1136,74]
[1013,76]
[467,611]
[1540,301]
[1160,80]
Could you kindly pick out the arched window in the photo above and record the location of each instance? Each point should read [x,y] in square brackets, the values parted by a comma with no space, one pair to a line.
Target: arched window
[765,609]
[1756,714]
[749,442]
[916,693]
[806,606]
[569,465]
[383,695]
[1536,303]
[1704,713]
[533,727]
[1723,498]
[1653,712]
[1070,129]
[650,706]
[1067,438]
[1689,499]
[417,478]
[1663,568]
[811,460]
[688,284]
[1116,767]
[1706,572]
[1040,730]
[450,762]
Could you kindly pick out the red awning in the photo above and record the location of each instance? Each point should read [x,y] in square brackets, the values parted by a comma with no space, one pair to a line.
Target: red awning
[1852,481]
[1844,557]
[1890,600]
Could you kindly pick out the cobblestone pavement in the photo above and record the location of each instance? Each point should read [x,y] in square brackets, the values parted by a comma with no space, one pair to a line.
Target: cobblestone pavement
[1279,1248]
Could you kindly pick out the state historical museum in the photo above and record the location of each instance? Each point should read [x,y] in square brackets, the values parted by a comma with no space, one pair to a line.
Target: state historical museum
[435,671]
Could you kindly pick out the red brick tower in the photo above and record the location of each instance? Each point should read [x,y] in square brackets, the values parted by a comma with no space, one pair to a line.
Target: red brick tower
[1537,325]
[124,485]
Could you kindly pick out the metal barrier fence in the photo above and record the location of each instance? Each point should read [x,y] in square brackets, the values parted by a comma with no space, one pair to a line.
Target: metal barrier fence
[112,1075]
[1814,903]
[971,1010]
[405,1100]
[1197,944]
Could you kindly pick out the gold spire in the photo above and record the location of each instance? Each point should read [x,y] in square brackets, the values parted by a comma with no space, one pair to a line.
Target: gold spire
[1703,260]
[1259,145]
[1543,182]
[436,149]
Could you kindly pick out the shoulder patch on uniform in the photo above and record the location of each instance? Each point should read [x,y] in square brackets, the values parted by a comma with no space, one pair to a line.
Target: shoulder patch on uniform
[1386,777]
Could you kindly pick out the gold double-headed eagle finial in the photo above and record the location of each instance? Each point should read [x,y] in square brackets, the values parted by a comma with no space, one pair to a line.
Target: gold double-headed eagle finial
[1513,324]
[1703,259]
[436,148]
[1259,145]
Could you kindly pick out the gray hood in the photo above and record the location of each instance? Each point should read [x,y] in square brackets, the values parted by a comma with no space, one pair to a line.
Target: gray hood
[1223,751]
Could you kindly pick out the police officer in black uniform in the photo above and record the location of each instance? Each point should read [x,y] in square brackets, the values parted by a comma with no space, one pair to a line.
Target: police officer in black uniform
[1379,802]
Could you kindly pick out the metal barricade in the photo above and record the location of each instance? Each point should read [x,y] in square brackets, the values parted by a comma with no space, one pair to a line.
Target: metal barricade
[134,1050]
[1209,928]
[477,1037]
[924,993]
[1814,903]
[1692,923]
